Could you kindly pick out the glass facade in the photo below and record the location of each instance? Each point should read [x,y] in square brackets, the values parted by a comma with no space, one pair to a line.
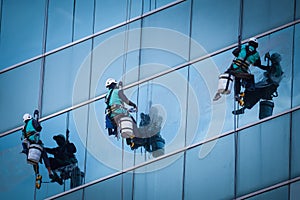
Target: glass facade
[55,56]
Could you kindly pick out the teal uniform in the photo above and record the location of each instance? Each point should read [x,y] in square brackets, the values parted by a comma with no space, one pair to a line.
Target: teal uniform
[251,59]
[116,103]
[30,132]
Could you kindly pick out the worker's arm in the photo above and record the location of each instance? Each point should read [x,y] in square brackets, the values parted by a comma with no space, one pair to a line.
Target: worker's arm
[125,99]
[50,150]
[263,67]
[236,51]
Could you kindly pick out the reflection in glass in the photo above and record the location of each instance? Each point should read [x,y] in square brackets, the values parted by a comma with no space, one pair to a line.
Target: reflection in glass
[66,79]
[269,15]
[20,87]
[296,71]
[60,24]
[295,142]
[201,173]
[263,154]
[19,40]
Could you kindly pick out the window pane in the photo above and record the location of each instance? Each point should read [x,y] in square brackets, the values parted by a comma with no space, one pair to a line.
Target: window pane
[208,118]
[83,22]
[21,89]
[103,151]
[201,173]
[165,36]
[166,98]
[268,13]
[109,189]
[153,181]
[14,170]
[109,13]
[297,9]
[207,21]
[296,75]
[77,195]
[294,191]
[115,55]
[295,158]
[19,40]
[60,23]
[66,79]
[263,154]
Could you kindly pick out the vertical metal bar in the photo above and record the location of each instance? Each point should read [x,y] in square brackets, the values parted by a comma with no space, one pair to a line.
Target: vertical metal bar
[138,91]
[42,72]
[89,94]
[236,117]
[292,94]
[187,99]
[1,11]
[73,19]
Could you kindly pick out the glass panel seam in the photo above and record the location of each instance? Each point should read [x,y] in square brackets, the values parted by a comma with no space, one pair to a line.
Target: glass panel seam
[267,189]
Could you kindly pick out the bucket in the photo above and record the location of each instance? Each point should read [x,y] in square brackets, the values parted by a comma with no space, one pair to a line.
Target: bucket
[225,83]
[126,127]
[76,177]
[265,109]
[34,154]
[158,145]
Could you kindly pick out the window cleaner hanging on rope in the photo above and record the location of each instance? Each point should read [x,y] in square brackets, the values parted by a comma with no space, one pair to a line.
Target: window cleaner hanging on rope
[238,71]
[64,160]
[265,89]
[33,146]
[117,115]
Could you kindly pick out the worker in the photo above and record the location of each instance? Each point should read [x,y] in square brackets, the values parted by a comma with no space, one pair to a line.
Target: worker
[265,89]
[31,136]
[245,56]
[64,154]
[115,110]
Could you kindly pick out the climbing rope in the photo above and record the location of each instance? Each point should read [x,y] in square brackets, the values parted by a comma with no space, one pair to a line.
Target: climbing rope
[128,13]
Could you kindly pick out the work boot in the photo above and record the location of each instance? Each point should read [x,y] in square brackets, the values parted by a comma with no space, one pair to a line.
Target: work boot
[25,151]
[239,99]
[239,111]
[55,178]
[38,181]
[217,96]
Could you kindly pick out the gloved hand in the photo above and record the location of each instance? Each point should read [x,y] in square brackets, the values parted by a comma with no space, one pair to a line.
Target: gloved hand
[267,56]
[120,85]
[134,106]
[36,112]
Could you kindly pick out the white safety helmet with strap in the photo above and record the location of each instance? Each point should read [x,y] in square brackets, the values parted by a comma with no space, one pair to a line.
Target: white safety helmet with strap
[110,81]
[26,117]
[253,42]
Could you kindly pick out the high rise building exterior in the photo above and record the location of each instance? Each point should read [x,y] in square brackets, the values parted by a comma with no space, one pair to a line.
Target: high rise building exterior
[56,55]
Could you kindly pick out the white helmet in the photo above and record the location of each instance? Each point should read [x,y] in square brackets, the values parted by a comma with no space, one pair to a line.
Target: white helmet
[253,42]
[26,117]
[110,81]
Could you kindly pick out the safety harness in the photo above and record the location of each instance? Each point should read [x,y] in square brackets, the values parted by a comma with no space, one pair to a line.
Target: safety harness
[28,134]
[112,108]
[243,63]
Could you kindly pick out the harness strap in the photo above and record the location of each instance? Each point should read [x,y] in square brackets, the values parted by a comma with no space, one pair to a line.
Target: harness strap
[112,108]
[28,134]
[242,64]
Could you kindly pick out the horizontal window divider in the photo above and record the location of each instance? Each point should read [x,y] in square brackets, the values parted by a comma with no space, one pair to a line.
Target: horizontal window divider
[278,185]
